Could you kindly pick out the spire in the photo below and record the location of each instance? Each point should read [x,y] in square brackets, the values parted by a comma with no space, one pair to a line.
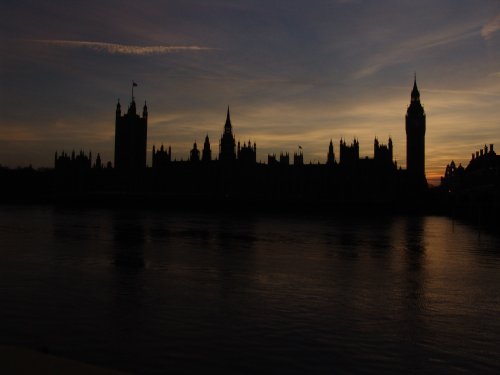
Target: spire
[228,120]
[118,109]
[415,94]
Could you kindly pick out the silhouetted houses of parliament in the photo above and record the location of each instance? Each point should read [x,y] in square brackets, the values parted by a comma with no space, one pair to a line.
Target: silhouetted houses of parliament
[237,172]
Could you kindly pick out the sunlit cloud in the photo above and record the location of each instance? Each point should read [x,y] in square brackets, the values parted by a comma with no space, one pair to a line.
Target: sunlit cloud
[491,27]
[122,49]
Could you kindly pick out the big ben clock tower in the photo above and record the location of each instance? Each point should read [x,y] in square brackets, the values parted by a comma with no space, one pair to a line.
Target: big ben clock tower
[415,139]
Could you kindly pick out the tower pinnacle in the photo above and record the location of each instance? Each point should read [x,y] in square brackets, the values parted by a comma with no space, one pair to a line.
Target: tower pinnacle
[228,126]
[415,94]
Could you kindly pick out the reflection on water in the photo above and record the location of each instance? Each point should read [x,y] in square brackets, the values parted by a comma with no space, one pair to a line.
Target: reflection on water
[129,238]
[150,292]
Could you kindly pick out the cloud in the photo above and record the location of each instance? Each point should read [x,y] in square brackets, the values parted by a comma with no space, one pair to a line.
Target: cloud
[491,27]
[407,50]
[122,49]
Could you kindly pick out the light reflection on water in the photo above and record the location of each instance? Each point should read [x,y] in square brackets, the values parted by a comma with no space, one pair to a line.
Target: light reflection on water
[149,292]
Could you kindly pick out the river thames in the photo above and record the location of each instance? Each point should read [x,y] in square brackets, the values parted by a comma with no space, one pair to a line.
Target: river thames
[149,292]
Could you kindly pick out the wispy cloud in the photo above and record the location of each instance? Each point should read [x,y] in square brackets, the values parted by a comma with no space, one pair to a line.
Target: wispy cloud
[121,49]
[408,49]
[491,27]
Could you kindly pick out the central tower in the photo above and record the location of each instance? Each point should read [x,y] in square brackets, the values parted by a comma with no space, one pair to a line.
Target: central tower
[130,138]
[227,147]
[415,139]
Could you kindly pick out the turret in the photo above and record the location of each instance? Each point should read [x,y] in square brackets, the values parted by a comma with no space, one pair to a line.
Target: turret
[132,109]
[390,148]
[195,153]
[330,160]
[207,153]
[118,109]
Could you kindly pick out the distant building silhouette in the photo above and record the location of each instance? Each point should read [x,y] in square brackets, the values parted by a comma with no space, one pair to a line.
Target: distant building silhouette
[284,158]
[473,192]
[80,161]
[298,157]
[161,158]
[349,154]
[483,170]
[207,152]
[453,176]
[130,138]
[98,162]
[330,159]
[382,154]
[415,139]
[271,159]
[227,146]
[247,154]
[194,155]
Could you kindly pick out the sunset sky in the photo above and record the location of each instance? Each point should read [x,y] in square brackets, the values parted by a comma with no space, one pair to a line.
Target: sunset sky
[293,72]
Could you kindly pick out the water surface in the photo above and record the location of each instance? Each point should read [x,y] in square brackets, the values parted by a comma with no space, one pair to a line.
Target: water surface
[151,292]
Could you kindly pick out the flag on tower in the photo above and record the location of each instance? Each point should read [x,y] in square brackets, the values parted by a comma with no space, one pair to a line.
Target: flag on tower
[134,84]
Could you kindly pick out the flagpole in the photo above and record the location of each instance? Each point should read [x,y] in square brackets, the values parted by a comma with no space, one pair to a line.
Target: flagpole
[133,84]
